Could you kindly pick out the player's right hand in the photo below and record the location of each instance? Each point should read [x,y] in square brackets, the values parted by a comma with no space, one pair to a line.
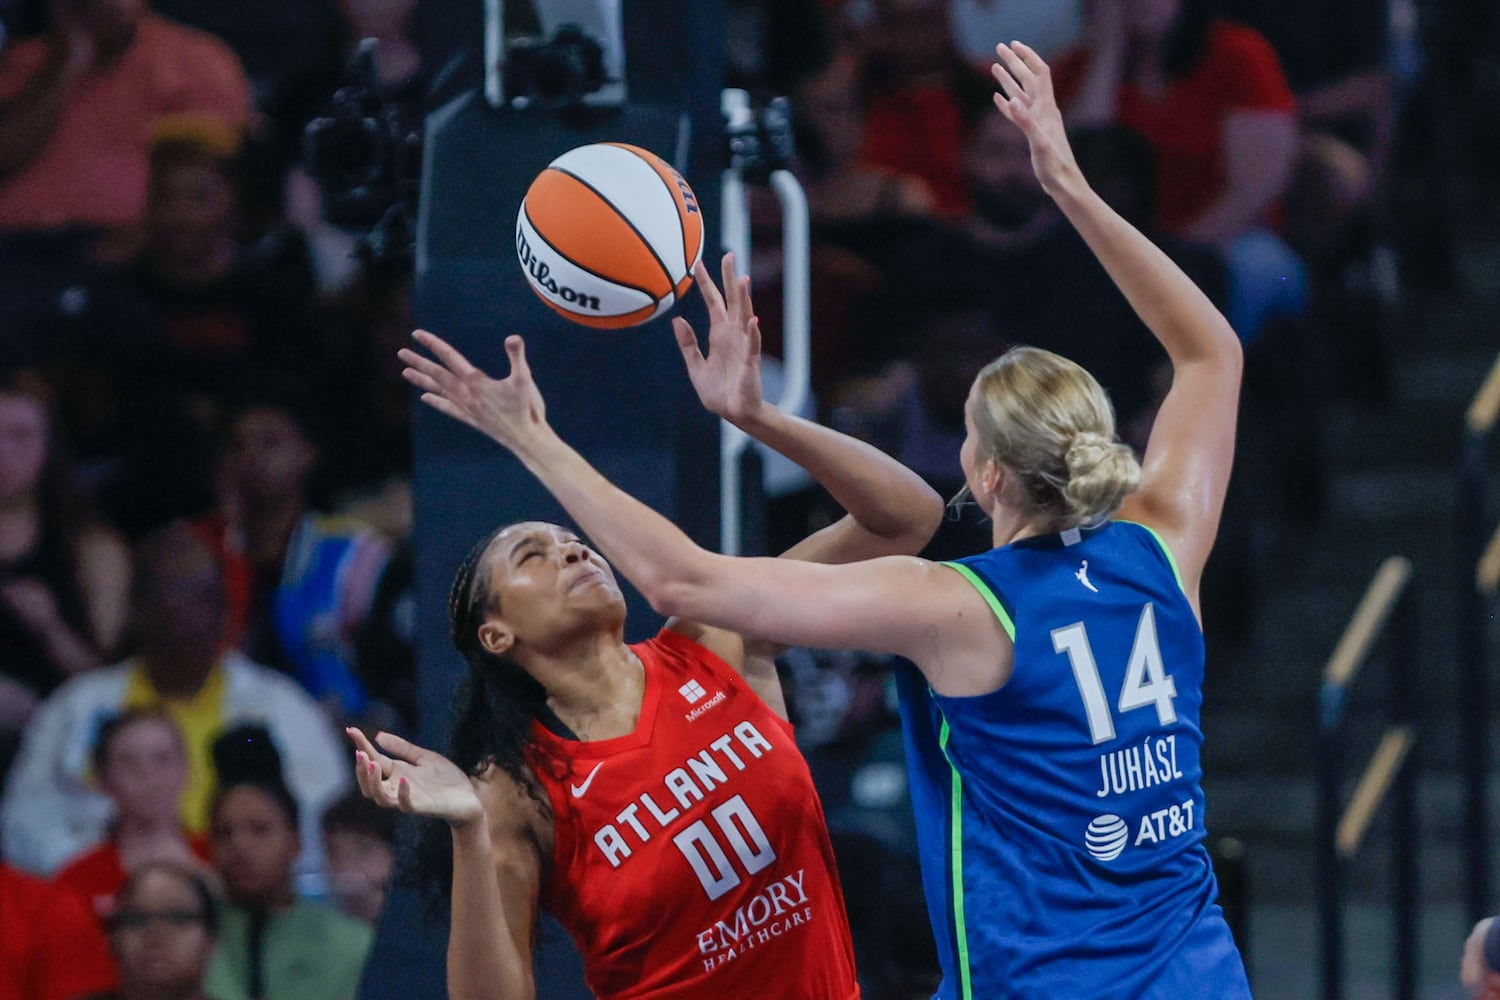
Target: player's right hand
[510,411]
[413,779]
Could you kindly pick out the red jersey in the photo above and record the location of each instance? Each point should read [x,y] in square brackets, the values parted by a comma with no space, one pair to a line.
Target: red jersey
[691,857]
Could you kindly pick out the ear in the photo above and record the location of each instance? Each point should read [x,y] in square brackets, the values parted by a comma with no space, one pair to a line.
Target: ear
[496,637]
[991,478]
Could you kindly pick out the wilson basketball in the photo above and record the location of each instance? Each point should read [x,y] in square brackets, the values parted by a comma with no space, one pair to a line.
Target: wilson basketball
[608,235]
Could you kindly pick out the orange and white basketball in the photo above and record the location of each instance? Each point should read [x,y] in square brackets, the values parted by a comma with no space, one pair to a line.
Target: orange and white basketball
[608,235]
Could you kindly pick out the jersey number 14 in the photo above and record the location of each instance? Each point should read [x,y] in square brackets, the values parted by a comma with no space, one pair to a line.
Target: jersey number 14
[1146,680]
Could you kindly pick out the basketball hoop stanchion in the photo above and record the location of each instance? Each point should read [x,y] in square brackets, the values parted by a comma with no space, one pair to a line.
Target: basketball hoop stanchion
[759,146]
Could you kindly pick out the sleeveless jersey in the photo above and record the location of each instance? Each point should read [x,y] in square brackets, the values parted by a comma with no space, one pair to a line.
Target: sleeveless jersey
[1060,819]
[691,857]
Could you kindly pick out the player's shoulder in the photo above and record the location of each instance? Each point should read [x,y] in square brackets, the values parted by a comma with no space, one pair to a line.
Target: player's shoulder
[517,808]
[701,645]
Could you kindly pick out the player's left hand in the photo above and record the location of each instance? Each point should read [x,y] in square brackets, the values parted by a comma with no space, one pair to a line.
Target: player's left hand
[728,379]
[509,410]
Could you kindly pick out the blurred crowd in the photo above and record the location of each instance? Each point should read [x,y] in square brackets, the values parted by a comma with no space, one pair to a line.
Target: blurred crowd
[205,503]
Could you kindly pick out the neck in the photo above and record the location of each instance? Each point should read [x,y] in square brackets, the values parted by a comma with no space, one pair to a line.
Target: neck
[175,675]
[20,524]
[199,269]
[267,523]
[281,899]
[130,830]
[158,991]
[1006,239]
[1009,525]
[594,685]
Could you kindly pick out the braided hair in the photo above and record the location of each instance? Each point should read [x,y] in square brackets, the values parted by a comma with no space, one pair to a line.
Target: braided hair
[493,709]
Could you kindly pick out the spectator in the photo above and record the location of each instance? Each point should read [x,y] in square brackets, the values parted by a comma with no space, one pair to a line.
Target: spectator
[359,841]
[272,943]
[1211,98]
[77,106]
[300,584]
[140,762]
[855,208]
[919,87]
[221,310]
[365,404]
[51,811]
[64,577]
[1014,256]
[161,933]
[51,947]
[841,188]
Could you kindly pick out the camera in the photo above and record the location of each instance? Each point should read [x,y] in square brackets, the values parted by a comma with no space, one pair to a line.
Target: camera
[366,154]
[554,54]
[557,71]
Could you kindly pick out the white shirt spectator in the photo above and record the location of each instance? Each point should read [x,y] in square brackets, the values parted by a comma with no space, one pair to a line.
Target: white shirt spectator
[52,811]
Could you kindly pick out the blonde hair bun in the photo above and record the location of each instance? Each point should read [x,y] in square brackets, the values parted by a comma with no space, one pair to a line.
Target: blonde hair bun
[1102,472]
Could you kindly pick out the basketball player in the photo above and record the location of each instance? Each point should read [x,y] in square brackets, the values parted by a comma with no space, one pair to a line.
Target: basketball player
[649,796]
[1052,730]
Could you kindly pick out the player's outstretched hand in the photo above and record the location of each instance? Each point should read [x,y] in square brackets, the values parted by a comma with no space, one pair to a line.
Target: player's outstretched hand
[728,379]
[509,410]
[1026,98]
[401,775]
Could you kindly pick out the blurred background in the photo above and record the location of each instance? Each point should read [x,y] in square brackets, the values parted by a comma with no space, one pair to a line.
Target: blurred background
[225,531]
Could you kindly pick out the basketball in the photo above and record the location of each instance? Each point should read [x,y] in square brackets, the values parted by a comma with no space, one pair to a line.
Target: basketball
[608,235]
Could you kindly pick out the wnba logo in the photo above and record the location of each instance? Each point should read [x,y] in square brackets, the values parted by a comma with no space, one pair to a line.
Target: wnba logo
[1106,837]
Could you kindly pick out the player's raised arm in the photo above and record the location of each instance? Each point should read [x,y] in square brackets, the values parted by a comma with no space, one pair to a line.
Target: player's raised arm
[885,605]
[1188,458]
[891,510]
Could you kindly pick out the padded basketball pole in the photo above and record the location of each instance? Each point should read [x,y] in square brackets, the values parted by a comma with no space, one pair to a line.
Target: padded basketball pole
[745,153]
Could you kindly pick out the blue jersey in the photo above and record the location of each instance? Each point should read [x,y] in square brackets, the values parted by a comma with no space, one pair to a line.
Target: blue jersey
[1060,818]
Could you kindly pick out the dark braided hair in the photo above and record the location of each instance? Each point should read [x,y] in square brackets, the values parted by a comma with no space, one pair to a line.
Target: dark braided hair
[493,709]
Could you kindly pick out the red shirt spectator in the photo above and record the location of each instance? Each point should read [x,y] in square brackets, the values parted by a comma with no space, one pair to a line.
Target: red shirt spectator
[51,946]
[101,872]
[919,132]
[1238,72]
[90,169]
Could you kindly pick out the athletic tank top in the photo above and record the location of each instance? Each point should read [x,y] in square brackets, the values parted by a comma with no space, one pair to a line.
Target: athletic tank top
[1060,819]
[691,856]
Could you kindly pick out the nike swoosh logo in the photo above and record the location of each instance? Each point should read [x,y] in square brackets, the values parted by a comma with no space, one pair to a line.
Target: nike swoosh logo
[579,790]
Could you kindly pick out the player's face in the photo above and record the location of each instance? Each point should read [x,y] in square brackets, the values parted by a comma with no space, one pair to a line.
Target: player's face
[547,580]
